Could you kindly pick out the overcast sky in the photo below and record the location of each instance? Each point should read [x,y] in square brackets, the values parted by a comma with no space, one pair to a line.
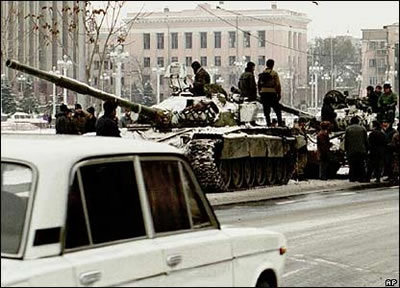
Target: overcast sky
[327,18]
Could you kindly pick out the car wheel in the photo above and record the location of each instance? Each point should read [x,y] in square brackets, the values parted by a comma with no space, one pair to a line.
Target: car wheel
[263,283]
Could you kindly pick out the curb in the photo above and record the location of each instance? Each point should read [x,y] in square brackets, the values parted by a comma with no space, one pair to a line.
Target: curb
[291,189]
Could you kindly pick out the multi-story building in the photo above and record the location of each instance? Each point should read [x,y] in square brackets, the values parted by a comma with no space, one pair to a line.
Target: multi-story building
[380,56]
[222,41]
[38,33]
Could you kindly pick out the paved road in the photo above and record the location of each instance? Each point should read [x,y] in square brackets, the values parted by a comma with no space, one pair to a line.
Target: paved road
[346,238]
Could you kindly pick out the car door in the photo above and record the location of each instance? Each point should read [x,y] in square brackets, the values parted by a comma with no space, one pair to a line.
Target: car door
[195,251]
[106,236]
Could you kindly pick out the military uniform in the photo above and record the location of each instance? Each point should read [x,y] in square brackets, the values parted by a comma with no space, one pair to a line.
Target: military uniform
[200,80]
[387,106]
[247,86]
[269,88]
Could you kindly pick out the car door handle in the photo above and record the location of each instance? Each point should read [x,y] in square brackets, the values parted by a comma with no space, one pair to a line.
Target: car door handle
[88,278]
[174,260]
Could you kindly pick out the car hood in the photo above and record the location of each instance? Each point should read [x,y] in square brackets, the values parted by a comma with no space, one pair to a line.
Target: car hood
[253,240]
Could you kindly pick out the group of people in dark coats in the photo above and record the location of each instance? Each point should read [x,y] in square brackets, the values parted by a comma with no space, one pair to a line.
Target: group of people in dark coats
[85,122]
[372,155]
[78,123]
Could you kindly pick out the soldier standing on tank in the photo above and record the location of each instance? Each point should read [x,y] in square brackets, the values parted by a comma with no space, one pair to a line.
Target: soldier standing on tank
[372,99]
[387,104]
[201,78]
[269,88]
[247,83]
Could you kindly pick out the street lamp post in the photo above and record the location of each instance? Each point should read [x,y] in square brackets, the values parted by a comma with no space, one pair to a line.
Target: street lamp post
[158,70]
[359,80]
[105,77]
[117,57]
[289,76]
[21,79]
[213,71]
[326,78]
[56,72]
[240,65]
[3,78]
[65,65]
[316,70]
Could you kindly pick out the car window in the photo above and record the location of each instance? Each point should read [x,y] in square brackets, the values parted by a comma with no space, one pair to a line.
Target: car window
[199,214]
[165,193]
[111,201]
[16,188]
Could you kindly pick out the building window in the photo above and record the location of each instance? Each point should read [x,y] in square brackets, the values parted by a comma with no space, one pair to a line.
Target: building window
[160,61]
[188,61]
[174,40]
[372,45]
[203,61]
[383,44]
[105,65]
[96,65]
[261,38]
[95,81]
[203,39]
[298,41]
[188,40]
[232,39]
[217,61]
[174,59]
[217,39]
[290,39]
[295,40]
[160,40]
[232,60]
[372,63]
[146,62]
[146,41]
[261,60]
[373,81]
[246,39]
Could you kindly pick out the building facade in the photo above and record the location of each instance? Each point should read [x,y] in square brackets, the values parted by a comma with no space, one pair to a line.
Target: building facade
[380,56]
[39,33]
[222,41]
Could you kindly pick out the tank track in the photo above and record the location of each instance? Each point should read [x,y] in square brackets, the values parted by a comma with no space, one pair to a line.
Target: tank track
[201,154]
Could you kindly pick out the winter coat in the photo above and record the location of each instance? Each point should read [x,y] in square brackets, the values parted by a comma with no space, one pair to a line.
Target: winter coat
[328,113]
[80,122]
[124,121]
[107,126]
[356,140]
[200,79]
[268,81]
[247,86]
[65,125]
[377,142]
[323,145]
[90,125]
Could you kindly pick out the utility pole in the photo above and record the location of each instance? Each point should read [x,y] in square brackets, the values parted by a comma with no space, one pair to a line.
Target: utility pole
[117,57]
[82,99]
[65,65]
[158,70]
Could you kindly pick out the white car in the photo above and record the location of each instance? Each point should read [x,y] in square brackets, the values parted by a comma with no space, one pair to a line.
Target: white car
[104,211]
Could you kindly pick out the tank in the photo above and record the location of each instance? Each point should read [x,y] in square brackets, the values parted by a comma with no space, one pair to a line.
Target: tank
[214,131]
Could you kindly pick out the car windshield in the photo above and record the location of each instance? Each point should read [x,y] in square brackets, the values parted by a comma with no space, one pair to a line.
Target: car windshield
[16,184]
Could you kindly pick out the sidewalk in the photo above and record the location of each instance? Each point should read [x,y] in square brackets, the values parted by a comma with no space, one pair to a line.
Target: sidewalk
[291,189]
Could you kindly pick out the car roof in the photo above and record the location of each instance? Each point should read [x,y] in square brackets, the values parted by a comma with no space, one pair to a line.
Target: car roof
[37,148]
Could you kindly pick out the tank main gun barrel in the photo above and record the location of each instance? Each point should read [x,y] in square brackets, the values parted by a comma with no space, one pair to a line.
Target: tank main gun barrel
[159,117]
[297,112]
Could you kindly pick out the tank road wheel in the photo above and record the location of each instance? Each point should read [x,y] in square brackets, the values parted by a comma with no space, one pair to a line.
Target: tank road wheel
[270,171]
[249,172]
[237,173]
[260,171]
[280,171]
[225,171]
